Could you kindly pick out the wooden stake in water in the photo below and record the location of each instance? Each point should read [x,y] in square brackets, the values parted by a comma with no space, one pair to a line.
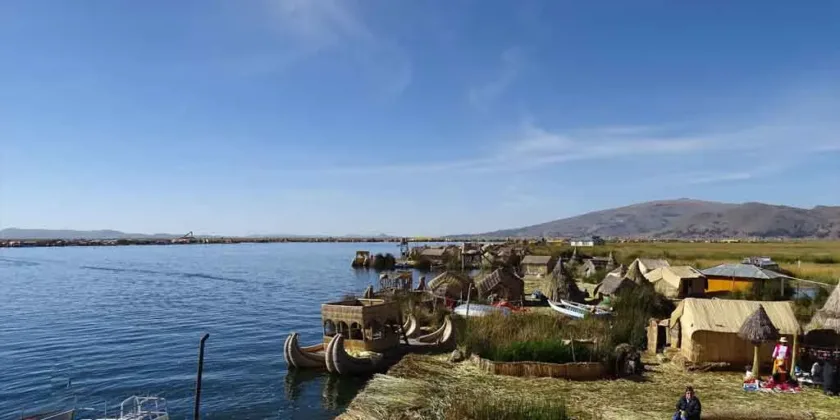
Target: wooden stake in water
[197,407]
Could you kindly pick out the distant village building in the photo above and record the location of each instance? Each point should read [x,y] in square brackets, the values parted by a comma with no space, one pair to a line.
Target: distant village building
[593,265]
[588,241]
[761,262]
[439,255]
[537,265]
[741,277]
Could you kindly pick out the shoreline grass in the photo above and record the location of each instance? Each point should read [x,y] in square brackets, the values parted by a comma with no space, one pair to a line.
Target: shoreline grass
[428,387]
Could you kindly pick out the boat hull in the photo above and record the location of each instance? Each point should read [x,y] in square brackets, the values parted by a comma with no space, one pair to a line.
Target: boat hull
[311,357]
[578,311]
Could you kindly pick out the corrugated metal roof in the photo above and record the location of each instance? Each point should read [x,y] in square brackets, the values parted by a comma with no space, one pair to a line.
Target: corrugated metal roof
[727,316]
[744,271]
[536,259]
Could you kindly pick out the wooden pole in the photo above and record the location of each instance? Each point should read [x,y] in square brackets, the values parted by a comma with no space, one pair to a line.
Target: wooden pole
[795,353]
[196,410]
[755,360]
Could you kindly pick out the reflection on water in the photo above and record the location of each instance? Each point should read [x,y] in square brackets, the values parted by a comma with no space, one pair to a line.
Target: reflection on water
[336,391]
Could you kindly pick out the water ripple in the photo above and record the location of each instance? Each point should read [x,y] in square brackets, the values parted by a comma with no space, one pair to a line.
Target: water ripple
[98,324]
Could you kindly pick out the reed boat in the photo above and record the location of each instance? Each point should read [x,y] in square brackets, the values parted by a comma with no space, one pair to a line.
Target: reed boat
[365,335]
[578,310]
[309,357]
[339,361]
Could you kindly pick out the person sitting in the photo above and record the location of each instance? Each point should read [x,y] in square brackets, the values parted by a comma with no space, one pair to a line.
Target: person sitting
[688,406]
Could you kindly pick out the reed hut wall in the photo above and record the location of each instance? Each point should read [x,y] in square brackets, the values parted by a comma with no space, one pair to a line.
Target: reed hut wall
[709,347]
[580,371]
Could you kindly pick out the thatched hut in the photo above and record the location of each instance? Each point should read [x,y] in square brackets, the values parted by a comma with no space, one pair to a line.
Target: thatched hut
[824,328]
[678,282]
[561,285]
[758,329]
[503,284]
[635,273]
[614,282]
[706,330]
[451,284]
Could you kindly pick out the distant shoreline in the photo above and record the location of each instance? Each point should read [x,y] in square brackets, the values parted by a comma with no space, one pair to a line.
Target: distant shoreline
[35,243]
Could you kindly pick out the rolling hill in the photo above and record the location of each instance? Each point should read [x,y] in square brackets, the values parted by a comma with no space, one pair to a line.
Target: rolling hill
[15,233]
[691,219]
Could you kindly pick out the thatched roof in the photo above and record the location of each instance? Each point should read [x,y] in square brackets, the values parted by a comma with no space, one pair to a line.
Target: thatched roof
[536,259]
[727,316]
[758,327]
[827,318]
[561,285]
[498,277]
[451,284]
[433,252]
[612,284]
[634,273]
[653,263]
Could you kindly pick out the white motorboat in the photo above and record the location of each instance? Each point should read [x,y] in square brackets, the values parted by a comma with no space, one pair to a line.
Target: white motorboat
[578,310]
[480,310]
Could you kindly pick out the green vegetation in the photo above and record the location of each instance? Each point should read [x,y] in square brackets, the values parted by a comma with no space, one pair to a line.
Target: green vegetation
[633,309]
[536,337]
[811,260]
[494,408]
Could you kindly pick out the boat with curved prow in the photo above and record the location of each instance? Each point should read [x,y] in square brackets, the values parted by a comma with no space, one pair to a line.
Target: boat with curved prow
[310,357]
[364,336]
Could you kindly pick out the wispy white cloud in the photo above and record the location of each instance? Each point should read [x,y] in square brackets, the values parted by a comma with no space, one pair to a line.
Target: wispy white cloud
[320,26]
[483,95]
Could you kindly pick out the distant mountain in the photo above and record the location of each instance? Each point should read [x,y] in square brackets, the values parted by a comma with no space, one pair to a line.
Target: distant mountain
[691,219]
[15,233]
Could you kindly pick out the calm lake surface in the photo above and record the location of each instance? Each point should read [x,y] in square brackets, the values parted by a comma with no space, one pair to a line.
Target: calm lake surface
[85,326]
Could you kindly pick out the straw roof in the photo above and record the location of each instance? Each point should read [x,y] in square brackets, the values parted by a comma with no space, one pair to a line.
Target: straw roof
[561,285]
[758,327]
[727,316]
[450,283]
[433,252]
[673,275]
[500,277]
[536,259]
[634,273]
[653,263]
[827,318]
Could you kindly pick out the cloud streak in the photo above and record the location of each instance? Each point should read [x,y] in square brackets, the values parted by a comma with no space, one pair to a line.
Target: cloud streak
[484,95]
[321,26]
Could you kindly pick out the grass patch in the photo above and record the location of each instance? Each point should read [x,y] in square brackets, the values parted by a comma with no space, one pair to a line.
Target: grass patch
[509,409]
[531,336]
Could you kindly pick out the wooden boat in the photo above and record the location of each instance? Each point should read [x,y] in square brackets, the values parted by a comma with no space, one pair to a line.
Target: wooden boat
[480,310]
[578,310]
[310,357]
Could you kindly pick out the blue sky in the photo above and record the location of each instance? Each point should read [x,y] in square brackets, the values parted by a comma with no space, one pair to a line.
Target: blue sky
[407,117]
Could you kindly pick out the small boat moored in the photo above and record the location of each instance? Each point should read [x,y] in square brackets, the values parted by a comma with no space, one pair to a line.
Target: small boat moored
[578,310]
[480,310]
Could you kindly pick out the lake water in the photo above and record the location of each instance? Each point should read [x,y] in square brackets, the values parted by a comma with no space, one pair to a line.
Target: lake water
[82,326]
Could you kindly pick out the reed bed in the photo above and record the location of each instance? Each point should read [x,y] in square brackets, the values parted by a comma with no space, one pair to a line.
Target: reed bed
[429,387]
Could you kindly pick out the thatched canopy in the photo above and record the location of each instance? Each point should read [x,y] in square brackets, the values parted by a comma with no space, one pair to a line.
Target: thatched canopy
[634,273]
[758,327]
[827,318]
[561,284]
[451,284]
[502,282]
